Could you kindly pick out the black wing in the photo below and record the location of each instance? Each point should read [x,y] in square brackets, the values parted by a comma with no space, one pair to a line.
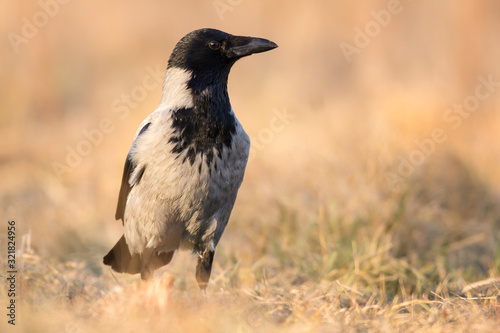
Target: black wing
[126,186]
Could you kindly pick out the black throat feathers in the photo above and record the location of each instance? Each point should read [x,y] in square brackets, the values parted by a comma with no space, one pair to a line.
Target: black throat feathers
[208,126]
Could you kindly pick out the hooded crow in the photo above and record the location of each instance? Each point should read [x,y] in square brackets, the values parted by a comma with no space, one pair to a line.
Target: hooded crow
[187,160]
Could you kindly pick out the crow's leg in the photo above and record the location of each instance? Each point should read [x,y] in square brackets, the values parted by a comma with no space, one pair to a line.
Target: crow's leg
[204,268]
[147,272]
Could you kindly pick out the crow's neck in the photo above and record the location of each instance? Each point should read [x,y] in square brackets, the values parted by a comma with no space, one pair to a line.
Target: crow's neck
[205,124]
[209,91]
[206,91]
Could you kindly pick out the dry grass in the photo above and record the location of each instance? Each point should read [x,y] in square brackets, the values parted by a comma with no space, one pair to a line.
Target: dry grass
[320,238]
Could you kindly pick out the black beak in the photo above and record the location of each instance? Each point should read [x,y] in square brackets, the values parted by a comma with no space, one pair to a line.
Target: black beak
[240,46]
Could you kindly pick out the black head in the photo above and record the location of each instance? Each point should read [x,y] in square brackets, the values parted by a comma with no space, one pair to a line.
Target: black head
[210,52]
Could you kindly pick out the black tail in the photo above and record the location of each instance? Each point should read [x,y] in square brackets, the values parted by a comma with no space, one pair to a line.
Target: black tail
[120,260]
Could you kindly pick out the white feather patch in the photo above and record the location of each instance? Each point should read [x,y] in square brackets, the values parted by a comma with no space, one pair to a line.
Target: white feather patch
[176,94]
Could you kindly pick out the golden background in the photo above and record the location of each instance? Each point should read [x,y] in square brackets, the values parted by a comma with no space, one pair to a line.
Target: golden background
[366,193]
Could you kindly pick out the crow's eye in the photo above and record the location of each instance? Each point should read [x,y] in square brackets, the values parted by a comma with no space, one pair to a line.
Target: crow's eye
[214,45]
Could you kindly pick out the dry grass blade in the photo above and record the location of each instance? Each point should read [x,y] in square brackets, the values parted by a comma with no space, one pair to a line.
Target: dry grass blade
[478,285]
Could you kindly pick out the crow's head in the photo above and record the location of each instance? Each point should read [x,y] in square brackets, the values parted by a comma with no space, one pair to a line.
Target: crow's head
[209,53]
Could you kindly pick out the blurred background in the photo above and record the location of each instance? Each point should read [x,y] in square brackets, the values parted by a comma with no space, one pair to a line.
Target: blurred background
[371,118]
